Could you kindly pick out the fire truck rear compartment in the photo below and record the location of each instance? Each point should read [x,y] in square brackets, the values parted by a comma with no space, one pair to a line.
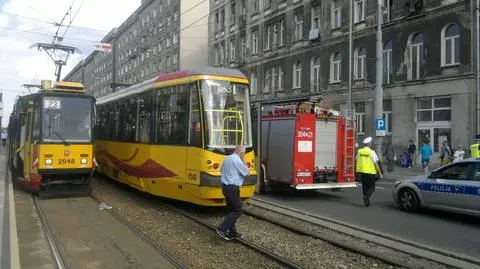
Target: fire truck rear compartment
[326,151]
[279,136]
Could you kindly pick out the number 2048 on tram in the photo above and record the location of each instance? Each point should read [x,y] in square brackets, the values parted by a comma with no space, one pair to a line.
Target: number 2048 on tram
[51,142]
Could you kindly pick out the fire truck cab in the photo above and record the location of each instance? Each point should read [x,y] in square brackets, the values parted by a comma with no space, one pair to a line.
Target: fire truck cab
[306,147]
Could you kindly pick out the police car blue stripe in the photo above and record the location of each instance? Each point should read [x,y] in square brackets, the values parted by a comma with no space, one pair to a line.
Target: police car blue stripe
[448,188]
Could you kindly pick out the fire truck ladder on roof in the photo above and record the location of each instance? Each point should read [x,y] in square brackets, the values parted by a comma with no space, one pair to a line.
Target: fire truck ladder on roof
[349,147]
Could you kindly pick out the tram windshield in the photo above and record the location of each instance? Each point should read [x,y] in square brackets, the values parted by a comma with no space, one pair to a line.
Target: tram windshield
[66,119]
[227,112]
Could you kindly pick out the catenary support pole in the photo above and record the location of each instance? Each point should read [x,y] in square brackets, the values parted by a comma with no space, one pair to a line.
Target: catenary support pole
[379,78]
[350,49]
[477,53]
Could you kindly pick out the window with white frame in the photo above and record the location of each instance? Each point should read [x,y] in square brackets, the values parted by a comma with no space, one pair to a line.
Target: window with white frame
[255,42]
[387,10]
[336,14]
[450,46]
[298,29]
[359,63]
[253,83]
[278,77]
[232,49]
[254,4]
[316,12]
[434,109]
[267,81]
[416,57]
[388,115]
[359,11]
[297,75]
[360,117]
[268,37]
[243,42]
[222,53]
[175,58]
[175,38]
[282,33]
[387,62]
[315,74]
[232,14]
[335,67]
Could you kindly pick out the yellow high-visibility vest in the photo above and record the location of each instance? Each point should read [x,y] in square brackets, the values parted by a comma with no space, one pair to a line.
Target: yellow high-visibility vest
[364,161]
[474,150]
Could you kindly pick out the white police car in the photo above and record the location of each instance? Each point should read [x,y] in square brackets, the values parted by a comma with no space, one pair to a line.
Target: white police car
[453,187]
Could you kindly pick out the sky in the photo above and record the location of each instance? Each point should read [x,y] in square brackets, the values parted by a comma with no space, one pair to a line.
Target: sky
[26,22]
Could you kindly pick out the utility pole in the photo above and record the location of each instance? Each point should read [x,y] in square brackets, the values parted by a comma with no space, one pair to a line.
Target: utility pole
[379,80]
[477,53]
[350,52]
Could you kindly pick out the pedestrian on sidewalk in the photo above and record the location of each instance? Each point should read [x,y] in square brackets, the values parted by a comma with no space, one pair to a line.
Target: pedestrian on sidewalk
[445,153]
[458,155]
[234,169]
[389,154]
[367,169]
[4,138]
[411,148]
[426,152]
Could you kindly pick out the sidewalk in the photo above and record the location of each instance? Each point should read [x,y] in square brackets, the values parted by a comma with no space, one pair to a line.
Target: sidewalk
[400,173]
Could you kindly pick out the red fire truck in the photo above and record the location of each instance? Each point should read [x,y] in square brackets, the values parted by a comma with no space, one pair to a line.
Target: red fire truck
[306,147]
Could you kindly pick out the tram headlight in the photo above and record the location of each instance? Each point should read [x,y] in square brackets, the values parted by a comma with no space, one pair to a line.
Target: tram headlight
[83,161]
[48,161]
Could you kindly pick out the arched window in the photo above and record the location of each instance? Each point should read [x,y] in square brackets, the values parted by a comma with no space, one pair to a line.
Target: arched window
[315,74]
[297,75]
[387,62]
[415,71]
[335,67]
[359,63]
[450,45]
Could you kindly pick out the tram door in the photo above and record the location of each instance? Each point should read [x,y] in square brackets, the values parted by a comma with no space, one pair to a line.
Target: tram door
[27,148]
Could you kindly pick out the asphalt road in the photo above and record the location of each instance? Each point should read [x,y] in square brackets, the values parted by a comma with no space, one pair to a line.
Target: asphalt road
[441,230]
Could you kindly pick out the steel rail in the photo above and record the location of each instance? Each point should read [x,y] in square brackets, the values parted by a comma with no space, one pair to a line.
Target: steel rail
[344,245]
[60,260]
[262,250]
[170,257]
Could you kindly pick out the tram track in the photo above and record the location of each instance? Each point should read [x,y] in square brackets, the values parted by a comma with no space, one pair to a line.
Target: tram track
[67,253]
[258,207]
[58,257]
[249,244]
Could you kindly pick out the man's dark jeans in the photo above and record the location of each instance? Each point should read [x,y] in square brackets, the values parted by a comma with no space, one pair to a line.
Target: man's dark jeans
[234,207]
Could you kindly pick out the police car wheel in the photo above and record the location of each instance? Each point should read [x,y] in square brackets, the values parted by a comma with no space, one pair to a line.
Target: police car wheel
[408,200]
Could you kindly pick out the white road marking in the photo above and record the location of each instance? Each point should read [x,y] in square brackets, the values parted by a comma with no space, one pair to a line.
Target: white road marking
[380,188]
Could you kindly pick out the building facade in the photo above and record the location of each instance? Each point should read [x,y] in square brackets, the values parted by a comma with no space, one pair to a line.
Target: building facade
[160,36]
[301,47]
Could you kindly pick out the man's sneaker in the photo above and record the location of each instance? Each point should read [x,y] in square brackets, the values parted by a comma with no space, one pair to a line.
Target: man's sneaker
[223,235]
[235,235]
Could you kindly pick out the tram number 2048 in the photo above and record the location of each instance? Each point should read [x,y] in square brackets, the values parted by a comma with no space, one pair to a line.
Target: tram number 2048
[66,161]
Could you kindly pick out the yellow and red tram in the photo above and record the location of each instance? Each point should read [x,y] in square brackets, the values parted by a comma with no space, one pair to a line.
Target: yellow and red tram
[50,140]
[169,135]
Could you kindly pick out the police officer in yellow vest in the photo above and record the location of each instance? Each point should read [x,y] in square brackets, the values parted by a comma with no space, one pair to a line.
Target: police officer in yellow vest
[475,147]
[367,169]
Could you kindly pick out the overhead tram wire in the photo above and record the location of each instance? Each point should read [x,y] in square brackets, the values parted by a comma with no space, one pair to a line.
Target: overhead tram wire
[51,23]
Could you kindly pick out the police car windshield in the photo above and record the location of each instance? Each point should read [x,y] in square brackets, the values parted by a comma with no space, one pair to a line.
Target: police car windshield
[66,119]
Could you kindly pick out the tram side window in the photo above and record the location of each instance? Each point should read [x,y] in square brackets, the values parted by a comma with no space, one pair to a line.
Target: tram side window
[114,120]
[145,103]
[171,115]
[128,117]
[36,122]
[195,130]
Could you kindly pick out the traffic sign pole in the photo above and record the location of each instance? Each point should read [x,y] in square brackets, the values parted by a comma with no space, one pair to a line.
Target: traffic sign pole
[379,82]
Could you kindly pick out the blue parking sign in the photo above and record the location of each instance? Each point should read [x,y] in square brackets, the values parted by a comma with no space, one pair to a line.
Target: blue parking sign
[380,127]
